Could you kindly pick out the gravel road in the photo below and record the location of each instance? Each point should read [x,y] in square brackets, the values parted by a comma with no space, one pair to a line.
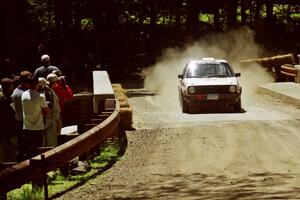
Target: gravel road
[212,155]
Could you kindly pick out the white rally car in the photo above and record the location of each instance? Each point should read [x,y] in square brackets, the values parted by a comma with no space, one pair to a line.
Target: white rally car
[209,81]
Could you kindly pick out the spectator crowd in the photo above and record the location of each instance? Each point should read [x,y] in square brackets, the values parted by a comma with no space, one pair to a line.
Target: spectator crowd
[31,107]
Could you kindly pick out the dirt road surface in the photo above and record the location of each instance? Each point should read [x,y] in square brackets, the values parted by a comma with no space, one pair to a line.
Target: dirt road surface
[212,155]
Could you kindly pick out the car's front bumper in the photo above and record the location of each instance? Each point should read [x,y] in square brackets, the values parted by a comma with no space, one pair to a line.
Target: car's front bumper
[206,99]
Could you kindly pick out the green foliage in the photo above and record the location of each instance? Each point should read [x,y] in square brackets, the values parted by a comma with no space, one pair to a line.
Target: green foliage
[208,18]
[263,11]
[26,192]
[146,20]
[41,13]
[280,10]
[110,153]
[59,183]
[295,16]
[165,19]
[133,19]
[87,24]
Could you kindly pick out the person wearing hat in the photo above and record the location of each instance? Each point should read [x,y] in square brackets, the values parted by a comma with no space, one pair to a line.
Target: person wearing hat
[53,121]
[45,90]
[46,68]
[52,78]
[61,78]
[63,91]
[57,72]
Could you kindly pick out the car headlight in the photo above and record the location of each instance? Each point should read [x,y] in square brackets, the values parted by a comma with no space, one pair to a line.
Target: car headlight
[191,90]
[232,89]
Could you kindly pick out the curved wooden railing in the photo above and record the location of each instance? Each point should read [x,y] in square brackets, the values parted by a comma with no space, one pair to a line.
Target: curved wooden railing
[290,71]
[36,167]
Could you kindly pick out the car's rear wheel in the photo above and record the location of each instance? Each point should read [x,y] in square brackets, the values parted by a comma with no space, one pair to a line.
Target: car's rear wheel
[237,106]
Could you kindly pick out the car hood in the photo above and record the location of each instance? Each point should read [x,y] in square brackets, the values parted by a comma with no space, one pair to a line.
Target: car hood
[211,81]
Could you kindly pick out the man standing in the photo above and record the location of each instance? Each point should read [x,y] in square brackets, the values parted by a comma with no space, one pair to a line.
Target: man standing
[17,104]
[34,109]
[46,68]
[8,139]
[53,121]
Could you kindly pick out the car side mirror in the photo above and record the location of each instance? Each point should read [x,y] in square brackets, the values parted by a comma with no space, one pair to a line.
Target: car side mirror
[237,74]
[180,76]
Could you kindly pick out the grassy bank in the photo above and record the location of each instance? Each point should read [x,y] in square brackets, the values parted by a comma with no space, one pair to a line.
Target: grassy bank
[59,184]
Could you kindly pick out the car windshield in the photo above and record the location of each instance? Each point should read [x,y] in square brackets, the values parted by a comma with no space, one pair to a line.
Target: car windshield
[205,70]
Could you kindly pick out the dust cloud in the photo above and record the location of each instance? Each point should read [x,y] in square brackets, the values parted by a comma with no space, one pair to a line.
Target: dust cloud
[233,46]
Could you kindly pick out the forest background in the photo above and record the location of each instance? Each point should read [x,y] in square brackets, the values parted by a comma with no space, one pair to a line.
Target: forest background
[120,35]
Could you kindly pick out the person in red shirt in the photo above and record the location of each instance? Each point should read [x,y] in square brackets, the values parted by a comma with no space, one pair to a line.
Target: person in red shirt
[62,90]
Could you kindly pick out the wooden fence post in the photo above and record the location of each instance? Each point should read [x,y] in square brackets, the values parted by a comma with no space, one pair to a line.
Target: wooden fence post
[44,172]
[122,142]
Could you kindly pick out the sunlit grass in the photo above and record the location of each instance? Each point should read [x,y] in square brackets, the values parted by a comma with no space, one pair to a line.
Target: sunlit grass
[26,192]
[58,184]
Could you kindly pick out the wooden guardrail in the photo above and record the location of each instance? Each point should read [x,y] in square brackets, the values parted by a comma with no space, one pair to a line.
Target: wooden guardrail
[272,64]
[290,71]
[33,169]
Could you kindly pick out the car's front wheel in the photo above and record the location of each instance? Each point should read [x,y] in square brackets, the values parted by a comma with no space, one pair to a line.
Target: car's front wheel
[185,107]
[237,106]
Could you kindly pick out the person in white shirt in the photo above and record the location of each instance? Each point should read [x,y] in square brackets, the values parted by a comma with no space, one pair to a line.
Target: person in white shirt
[34,110]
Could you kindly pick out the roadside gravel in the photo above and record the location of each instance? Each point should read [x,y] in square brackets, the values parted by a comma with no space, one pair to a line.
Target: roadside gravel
[170,155]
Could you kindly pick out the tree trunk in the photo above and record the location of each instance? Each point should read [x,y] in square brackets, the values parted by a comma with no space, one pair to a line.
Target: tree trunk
[178,12]
[21,19]
[269,8]
[243,11]
[77,15]
[257,11]
[57,17]
[232,13]
[7,20]
[217,18]
[192,17]
[67,15]
[152,13]
[63,11]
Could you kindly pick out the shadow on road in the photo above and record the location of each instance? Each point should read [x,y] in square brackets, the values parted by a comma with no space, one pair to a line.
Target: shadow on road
[202,186]
[215,109]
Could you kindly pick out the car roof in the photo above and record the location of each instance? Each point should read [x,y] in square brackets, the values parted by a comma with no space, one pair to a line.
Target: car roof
[208,60]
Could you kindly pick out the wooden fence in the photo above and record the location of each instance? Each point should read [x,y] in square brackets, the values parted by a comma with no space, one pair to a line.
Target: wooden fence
[291,72]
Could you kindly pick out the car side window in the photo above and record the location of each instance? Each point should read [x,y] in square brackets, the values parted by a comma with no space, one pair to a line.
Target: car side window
[184,73]
[190,70]
[223,71]
[226,69]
